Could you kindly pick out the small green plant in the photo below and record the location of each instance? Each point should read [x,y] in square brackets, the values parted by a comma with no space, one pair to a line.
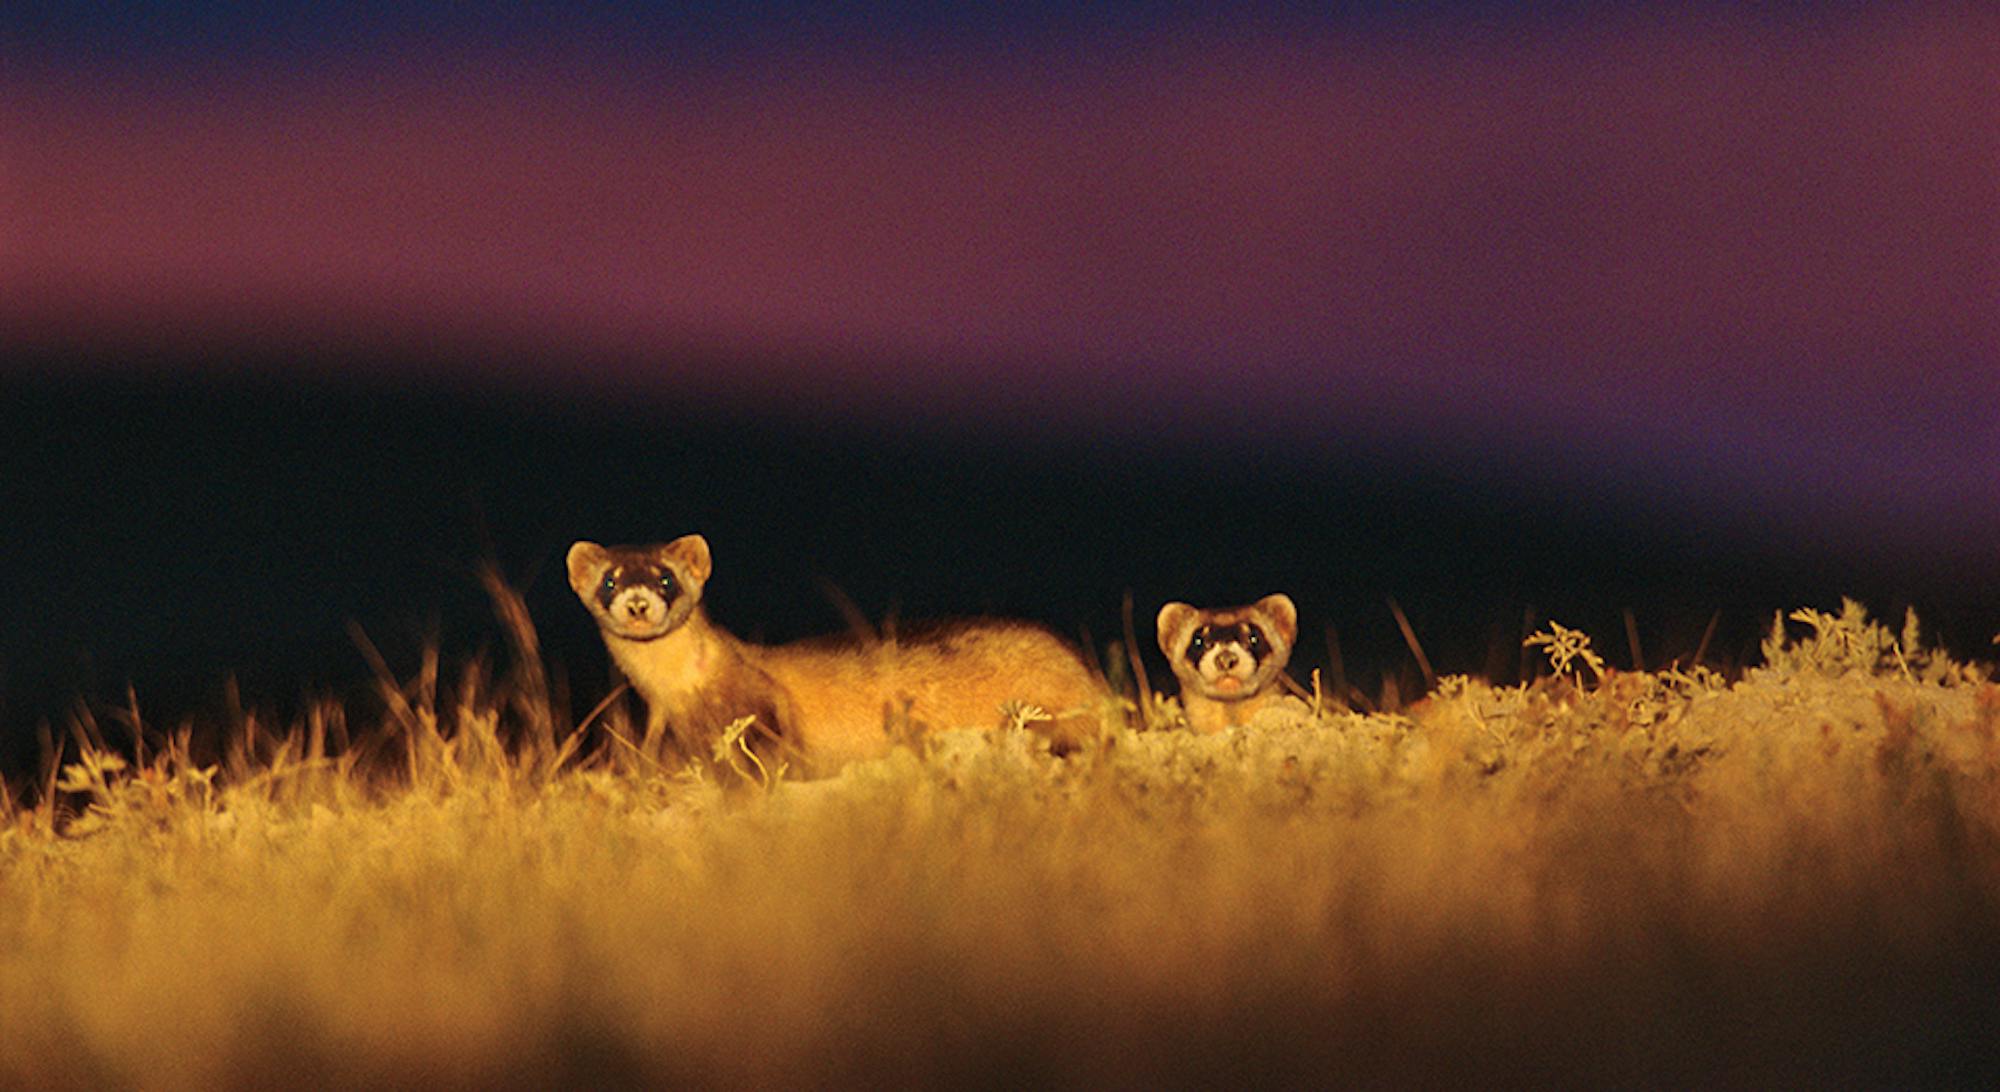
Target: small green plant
[1567,647]
[734,741]
[1018,715]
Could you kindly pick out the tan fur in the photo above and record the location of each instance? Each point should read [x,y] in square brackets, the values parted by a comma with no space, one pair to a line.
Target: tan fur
[1212,702]
[831,700]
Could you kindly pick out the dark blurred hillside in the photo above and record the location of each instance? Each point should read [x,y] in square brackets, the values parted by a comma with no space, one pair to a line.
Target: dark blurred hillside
[174,534]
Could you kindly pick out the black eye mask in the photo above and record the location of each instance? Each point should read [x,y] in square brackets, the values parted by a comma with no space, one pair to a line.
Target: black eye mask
[1245,634]
[617,580]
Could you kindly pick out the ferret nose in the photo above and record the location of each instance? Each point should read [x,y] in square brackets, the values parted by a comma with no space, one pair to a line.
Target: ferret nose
[637,608]
[1226,659]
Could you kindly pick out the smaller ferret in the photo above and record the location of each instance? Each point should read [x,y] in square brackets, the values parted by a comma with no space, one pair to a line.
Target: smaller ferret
[1230,662]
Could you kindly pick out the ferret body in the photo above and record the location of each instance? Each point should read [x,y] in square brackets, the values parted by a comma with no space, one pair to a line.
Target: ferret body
[1229,661]
[820,702]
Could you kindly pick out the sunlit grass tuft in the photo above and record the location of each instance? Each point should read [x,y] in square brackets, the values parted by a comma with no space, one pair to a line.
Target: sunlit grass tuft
[1601,877]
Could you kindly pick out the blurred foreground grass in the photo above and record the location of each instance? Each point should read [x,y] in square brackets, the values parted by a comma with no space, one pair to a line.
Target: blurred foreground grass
[1791,877]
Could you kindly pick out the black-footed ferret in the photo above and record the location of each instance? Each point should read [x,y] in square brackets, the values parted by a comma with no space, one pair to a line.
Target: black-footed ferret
[1228,661]
[831,700]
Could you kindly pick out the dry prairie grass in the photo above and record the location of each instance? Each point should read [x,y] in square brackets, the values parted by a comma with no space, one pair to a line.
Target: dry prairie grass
[1792,877]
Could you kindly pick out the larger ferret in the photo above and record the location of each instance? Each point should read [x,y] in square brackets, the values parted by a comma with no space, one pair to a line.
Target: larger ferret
[826,700]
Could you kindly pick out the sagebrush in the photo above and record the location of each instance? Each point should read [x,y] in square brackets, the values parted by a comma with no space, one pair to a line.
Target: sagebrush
[1600,877]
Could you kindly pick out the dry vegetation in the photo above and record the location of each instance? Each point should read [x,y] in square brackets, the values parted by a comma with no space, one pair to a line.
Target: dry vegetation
[1789,877]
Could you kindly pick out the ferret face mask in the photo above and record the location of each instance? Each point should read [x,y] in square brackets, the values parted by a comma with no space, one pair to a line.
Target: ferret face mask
[640,592]
[1232,654]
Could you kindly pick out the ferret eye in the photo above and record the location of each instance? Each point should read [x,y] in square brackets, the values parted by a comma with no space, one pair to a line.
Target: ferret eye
[1256,639]
[667,584]
[1199,641]
[610,584]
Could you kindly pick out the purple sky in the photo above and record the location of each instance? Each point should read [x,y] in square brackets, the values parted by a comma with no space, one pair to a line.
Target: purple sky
[1748,262]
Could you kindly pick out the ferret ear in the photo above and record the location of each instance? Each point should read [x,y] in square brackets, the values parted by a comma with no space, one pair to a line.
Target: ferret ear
[691,551]
[587,562]
[1283,614]
[1173,624]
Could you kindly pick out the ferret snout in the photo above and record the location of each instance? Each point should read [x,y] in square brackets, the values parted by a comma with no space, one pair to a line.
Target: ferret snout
[1226,659]
[638,606]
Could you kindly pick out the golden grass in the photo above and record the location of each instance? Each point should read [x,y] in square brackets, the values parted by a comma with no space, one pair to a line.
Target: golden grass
[1642,878]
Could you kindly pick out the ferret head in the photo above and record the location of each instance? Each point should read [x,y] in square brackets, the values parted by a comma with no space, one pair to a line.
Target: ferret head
[1229,655]
[640,592]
